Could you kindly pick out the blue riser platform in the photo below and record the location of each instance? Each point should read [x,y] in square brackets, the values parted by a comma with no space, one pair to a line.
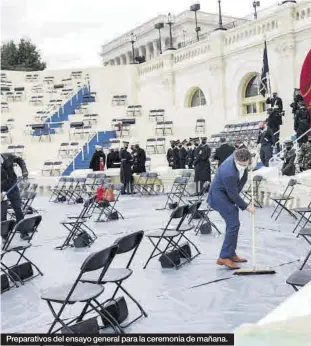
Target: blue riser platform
[69,107]
[102,139]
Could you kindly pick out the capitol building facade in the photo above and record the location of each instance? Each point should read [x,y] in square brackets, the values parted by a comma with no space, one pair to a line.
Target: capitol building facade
[215,73]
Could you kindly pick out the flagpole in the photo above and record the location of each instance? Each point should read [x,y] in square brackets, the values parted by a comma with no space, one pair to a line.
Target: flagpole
[268,73]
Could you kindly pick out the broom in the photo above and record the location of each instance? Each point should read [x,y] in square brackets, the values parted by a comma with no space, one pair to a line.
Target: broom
[254,270]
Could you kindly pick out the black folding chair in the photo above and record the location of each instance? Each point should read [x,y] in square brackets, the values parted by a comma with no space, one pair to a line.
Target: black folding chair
[140,185]
[306,234]
[305,216]
[82,292]
[77,190]
[127,244]
[77,227]
[58,191]
[200,196]
[247,194]
[202,216]
[281,201]
[188,176]
[6,229]
[177,193]
[172,237]
[299,278]
[9,232]
[108,208]
[27,198]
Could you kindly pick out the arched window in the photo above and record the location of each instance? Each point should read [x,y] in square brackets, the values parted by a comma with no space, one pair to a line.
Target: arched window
[198,99]
[252,101]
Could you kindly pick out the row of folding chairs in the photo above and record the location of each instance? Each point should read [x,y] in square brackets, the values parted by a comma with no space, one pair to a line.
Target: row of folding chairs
[301,277]
[68,149]
[70,188]
[52,167]
[147,184]
[243,126]
[178,192]
[134,110]
[155,145]
[119,100]
[164,127]
[18,268]
[302,215]
[77,225]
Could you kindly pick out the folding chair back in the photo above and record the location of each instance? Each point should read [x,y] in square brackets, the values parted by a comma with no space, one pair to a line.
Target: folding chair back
[282,201]
[180,213]
[181,180]
[28,225]
[99,260]
[129,242]
[186,175]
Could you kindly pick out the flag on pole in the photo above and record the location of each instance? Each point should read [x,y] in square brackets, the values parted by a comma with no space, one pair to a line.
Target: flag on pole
[265,82]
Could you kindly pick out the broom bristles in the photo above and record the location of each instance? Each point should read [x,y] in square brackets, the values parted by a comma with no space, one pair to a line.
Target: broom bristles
[254,272]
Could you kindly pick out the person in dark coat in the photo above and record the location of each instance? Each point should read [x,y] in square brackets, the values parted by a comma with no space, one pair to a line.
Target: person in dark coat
[126,176]
[8,180]
[274,123]
[169,155]
[190,151]
[295,105]
[110,158]
[139,159]
[182,155]
[266,140]
[223,152]
[289,168]
[275,102]
[202,168]
[302,123]
[173,156]
[97,156]
[224,197]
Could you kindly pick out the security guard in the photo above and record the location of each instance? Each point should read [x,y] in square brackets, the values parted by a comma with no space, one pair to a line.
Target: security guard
[289,159]
[304,156]
[267,140]
[126,176]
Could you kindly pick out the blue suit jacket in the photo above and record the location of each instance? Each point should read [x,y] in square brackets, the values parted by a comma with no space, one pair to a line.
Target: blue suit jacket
[224,193]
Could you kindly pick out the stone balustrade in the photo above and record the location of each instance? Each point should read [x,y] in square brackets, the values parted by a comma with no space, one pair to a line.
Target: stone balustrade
[247,34]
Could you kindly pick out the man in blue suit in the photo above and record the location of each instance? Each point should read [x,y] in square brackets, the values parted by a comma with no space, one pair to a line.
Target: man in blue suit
[224,197]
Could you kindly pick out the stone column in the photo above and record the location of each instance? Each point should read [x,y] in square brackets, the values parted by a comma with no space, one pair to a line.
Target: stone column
[140,51]
[128,58]
[286,82]
[155,48]
[148,57]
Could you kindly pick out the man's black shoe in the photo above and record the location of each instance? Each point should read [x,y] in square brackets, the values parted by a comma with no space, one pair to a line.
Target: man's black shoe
[25,236]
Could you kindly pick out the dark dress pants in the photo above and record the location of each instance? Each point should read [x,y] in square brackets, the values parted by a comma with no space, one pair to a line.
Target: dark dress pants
[15,199]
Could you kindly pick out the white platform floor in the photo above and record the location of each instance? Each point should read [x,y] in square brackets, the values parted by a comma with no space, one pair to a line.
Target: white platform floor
[169,297]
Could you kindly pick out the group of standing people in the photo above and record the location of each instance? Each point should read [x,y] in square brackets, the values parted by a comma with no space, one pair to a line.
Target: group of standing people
[130,163]
[269,135]
[196,155]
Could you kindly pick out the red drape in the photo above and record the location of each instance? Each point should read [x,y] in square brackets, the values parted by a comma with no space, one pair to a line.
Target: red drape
[305,80]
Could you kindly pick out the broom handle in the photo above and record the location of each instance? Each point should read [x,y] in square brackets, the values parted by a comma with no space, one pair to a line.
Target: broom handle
[253,224]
